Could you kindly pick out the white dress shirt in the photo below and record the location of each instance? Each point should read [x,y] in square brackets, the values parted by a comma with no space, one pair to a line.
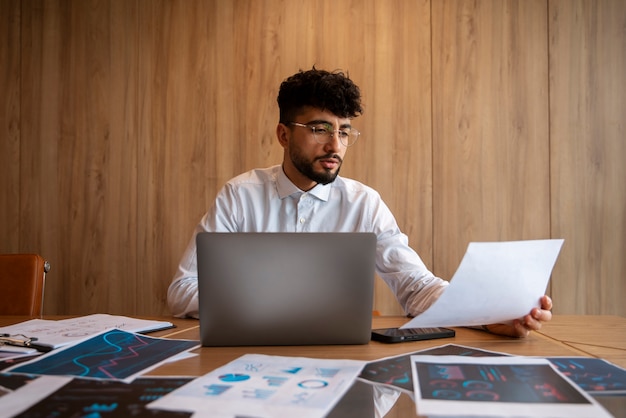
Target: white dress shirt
[265,200]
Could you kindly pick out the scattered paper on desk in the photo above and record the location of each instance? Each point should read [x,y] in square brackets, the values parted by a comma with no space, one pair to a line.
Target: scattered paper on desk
[8,351]
[395,371]
[112,354]
[56,334]
[6,363]
[593,375]
[11,382]
[76,397]
[266,386]
[29,393]
[8,356]
[496,386]
[496,282]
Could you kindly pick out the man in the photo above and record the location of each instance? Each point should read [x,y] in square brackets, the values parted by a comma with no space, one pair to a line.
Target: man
[306,194]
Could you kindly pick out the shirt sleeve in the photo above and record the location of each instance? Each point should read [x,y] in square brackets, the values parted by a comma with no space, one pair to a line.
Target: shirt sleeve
[182,294]
[400,267]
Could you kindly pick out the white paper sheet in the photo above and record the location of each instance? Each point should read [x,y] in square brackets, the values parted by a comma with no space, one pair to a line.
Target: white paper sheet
[112,354]
[497,387]
[28,395]
[264,386]
[496,282]
[56,334]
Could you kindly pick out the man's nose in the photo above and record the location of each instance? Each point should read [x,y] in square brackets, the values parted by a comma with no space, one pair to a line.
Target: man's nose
[334,143]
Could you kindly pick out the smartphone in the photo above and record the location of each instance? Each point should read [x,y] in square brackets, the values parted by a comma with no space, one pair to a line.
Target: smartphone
[397,335]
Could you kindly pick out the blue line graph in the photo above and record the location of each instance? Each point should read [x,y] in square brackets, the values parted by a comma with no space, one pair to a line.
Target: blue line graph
[114,354]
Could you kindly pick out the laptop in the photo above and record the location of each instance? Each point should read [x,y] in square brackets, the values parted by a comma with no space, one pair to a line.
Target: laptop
[285,288]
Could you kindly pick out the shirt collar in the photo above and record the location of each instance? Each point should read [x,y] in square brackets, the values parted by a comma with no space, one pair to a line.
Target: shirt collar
[287,188]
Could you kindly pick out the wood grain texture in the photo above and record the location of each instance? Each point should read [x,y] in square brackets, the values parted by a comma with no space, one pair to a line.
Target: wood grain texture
[484,120]
[587,125]
[535,344]
[39,141]
[80,173]
[394,156]
[10,126]
[233,130]
[490,125]
[174,95]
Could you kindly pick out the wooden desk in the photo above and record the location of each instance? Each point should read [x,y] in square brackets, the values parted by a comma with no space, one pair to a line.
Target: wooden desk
[563,336]
[591,336]
[212,357]
[602,336]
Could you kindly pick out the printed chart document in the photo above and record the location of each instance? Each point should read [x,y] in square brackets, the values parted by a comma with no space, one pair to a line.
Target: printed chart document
[497,387]
[594,375]
[113,354]
[56,334]
[263,386]
[64,396]
[15,402]
[496,282]
[396,371]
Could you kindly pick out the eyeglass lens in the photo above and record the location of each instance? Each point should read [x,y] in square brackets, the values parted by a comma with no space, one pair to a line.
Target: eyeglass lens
[324,133]
[347,137]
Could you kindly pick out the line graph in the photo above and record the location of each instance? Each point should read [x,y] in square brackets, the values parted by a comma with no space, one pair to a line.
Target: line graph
[113,354]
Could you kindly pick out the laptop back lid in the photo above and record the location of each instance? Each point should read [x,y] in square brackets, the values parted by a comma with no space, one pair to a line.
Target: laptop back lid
[285,288]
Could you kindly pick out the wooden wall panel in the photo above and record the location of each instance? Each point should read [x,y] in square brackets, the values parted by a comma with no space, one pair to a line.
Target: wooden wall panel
[131,114]
[394,156]
[39,142]
[79,164]
[181,75]
[10,126]
[490,125]
[210,77]
[587,125]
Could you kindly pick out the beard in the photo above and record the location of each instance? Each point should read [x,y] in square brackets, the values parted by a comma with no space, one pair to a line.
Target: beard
[305,167]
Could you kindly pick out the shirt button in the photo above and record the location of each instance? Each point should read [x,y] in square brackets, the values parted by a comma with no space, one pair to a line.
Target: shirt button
[302,220]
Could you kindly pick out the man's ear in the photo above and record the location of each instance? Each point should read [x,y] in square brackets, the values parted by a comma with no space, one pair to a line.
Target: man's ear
[282,134]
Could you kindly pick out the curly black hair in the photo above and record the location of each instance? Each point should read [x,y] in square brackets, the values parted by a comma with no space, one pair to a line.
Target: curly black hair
[332,91]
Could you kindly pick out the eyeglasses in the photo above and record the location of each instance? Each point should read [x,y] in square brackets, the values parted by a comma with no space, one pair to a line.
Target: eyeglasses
[323,133]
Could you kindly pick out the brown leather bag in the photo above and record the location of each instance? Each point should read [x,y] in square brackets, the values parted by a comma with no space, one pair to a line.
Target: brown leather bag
[22,280]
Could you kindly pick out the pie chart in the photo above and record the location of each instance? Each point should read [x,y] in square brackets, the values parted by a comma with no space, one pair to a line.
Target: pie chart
[234,377]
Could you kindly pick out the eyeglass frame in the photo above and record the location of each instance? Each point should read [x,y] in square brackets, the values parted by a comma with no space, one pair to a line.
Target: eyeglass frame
[330,133]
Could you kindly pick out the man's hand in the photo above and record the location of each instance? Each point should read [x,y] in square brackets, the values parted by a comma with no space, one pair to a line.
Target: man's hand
[531,322]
